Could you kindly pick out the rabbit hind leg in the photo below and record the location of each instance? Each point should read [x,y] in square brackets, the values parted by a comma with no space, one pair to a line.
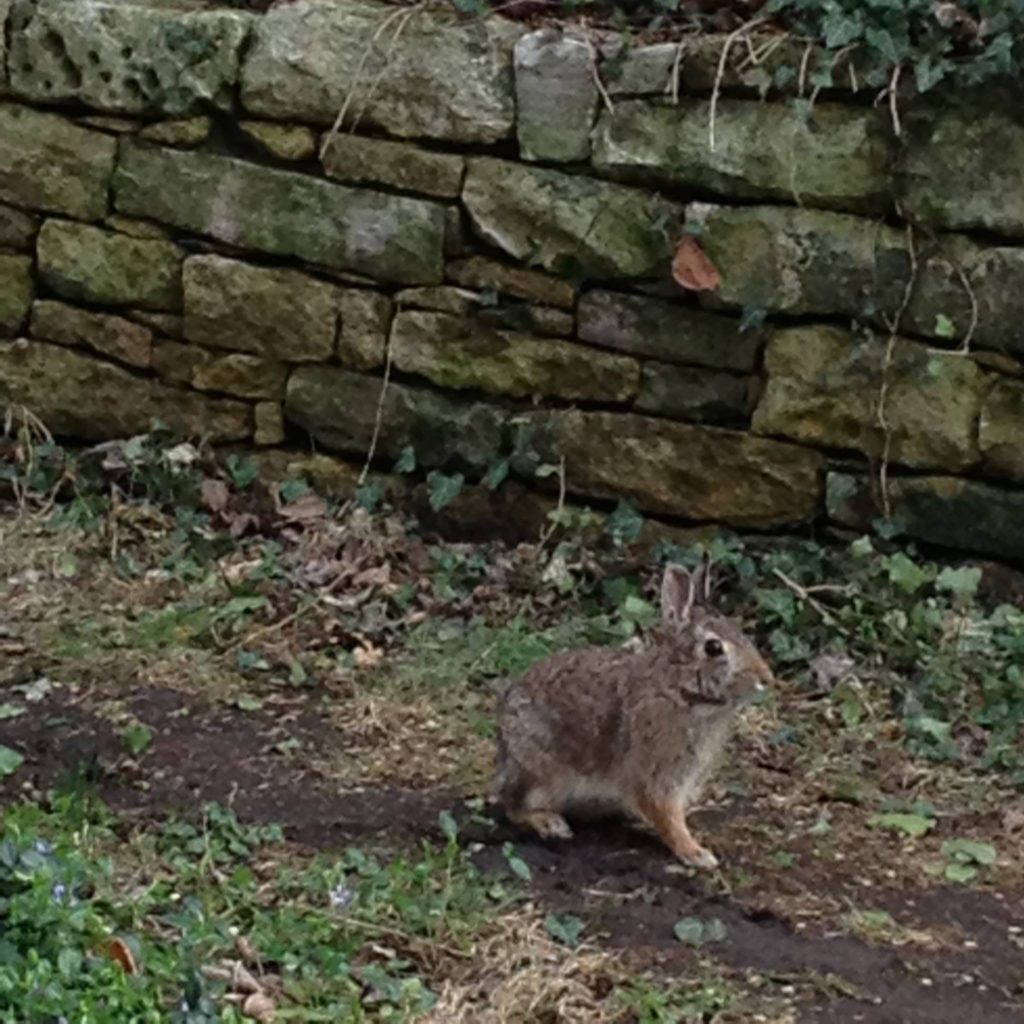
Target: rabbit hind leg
[531,805]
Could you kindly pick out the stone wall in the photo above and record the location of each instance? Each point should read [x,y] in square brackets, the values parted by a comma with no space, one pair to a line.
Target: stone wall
[492,231]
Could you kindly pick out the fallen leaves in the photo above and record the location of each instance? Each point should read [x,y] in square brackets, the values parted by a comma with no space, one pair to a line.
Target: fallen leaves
[254,995]
[691,268]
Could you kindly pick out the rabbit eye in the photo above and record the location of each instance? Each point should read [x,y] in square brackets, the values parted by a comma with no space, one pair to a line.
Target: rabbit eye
[713,648]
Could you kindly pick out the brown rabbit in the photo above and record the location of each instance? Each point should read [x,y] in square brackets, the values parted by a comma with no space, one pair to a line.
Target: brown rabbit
[634,731]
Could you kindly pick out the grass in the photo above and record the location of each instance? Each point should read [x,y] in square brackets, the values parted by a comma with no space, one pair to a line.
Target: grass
[266,746]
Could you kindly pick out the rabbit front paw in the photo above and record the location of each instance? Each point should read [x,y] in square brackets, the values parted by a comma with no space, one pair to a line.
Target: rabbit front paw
[701,858]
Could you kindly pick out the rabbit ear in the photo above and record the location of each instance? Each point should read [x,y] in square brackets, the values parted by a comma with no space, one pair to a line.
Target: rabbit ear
[701,580]
[677,596]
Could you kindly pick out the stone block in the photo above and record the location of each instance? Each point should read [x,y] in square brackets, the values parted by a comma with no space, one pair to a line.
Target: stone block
[394,238]
[17,229]
[187,132]
[667,331]
[556,95]
[836,157]
[361,160]
[126,58]
[339,409]
[965,515]
[461,353]
[293,142]
[363,330]
[1001,430]
[16,290]
[694,394]
[87,264]
[570,225]
[418,74]
[268,419]
[489,275]
[678,469]
[48,163]
[824,386]
[277,313]
[106,334]
[80,396]
[240,374]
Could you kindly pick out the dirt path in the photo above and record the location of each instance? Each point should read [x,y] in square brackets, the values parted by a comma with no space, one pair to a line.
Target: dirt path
[614,877]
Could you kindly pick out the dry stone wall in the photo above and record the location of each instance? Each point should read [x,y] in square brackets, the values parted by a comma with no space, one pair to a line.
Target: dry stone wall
[243,225]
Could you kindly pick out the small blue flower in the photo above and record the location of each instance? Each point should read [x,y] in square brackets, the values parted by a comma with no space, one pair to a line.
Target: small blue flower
[59,892]
[342,898]
[44,849]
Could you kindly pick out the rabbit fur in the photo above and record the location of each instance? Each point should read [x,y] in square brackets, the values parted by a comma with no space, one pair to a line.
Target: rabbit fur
[639,731]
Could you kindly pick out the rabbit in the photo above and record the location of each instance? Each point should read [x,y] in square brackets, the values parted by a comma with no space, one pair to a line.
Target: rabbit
[635,731]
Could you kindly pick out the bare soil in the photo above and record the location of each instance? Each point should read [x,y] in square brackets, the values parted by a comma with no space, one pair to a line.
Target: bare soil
[961,960]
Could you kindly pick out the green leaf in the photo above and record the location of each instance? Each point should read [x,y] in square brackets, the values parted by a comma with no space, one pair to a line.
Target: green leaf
[292,490]
[881,40]
[692,931]
[10,761]
[958,872]
[944,327]
[137,737]
[406,462]
[247,702]
[909,824]
[625,524]
[69,962]
[905,574]
[928,74]
[448,826]
[841,28]
[368,497]
[960,582]
[242,471]
[10,711]
[564,928]
[67,565]
[496,474]
[966,850]
[444,489]
[516,864]
[753,317]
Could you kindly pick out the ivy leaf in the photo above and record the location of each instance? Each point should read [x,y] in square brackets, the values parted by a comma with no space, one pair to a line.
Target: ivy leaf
[841,28]
[905,575]
[406,462]
[881,41]
[10,761]
[625,524]
[944,327]
[496,474]
[516,864]
[444,489]
[958,872]
[368,497]
[564,928]
[447,824]
[928,74]
[753,317]
[914,825]
[137,738]
[965,850]
[962,582]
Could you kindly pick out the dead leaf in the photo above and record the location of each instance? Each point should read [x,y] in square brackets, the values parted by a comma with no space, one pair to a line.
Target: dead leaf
[215,494]
[368,656]
[245,950]
[259,1006]
[1013,820]
[692,270]
[307,508]
[118,951]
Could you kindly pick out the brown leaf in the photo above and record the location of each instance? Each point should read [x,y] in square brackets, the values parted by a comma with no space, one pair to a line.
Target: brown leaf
[1013,820]
[118,951]
[692,270]
[307,508]
[215,494]
[259,1006]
